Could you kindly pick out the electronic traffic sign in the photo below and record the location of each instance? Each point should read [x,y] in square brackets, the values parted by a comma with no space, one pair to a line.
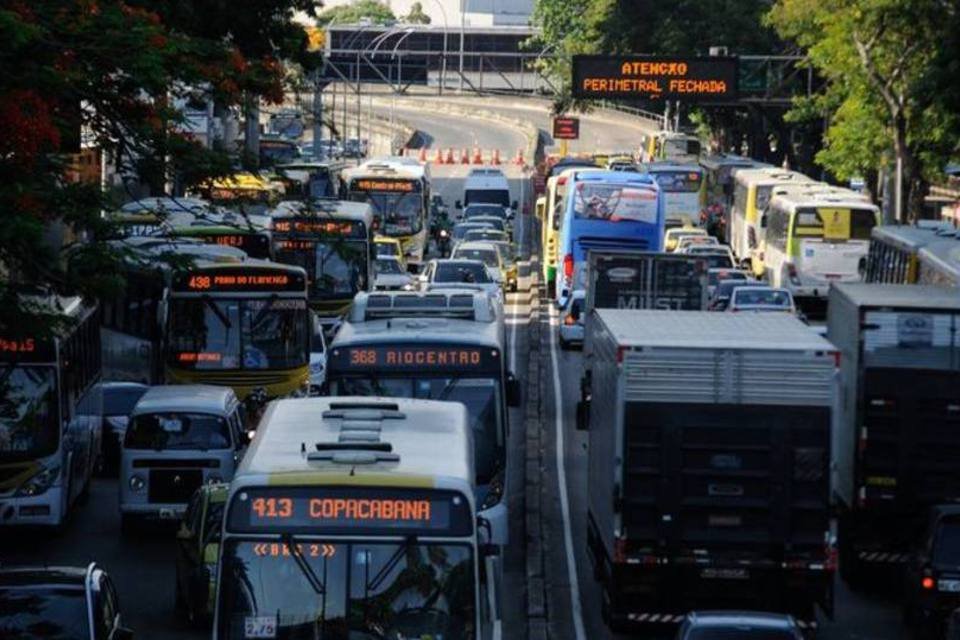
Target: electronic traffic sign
[565,128]
[708,79]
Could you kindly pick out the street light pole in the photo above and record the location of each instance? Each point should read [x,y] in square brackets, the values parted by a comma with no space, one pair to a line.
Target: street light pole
[443,59]
[462,30]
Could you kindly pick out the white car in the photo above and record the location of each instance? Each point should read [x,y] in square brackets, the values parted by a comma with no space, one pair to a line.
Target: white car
[691,241]
[461,272]
[761,298]
[571,319]
[389,275]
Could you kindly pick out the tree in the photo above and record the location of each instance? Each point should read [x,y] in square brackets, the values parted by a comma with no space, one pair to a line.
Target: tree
[113,70]
[373,10]
[416,15]
[884,62]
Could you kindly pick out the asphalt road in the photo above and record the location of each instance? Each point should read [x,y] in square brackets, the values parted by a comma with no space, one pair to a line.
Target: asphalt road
[858,616]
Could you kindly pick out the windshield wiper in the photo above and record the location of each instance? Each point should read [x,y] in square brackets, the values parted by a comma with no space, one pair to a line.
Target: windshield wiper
[267,307]
[451,386]
[216,310]
[387,569]
[304,566]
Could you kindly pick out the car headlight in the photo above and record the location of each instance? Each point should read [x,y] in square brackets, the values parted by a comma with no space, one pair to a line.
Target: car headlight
[40,482]
[137,483]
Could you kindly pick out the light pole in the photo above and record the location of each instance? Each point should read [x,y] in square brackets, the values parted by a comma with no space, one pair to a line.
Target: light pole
[443,60]
[378,41]
[462,30]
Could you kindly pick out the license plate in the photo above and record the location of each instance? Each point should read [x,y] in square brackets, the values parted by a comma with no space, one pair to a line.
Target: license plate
[724,574]
[260,627]
[950,586]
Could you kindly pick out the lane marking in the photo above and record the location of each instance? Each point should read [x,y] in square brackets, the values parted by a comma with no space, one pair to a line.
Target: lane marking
[575,608]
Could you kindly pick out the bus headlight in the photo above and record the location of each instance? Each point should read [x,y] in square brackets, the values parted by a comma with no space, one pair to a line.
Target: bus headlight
[137,483]
[40,482]
[494,492]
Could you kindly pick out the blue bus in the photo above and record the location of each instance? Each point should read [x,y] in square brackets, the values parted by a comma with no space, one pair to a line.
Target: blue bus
[606,210]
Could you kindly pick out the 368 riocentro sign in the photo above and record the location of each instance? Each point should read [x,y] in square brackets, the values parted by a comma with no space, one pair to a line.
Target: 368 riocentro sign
[710,79]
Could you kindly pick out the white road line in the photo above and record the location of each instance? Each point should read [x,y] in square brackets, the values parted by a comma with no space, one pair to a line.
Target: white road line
[575,609]
[516,305]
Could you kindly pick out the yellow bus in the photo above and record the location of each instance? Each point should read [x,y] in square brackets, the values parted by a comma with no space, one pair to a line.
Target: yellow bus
[751,195]
[244,192]
[244,324]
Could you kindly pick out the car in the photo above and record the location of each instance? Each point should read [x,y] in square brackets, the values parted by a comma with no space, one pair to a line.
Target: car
[571,320]
[720,298]
[497,223]
[198,547]
[689,241]
[484,209]
[460,229]
[75,603]
[932,573]
[738,625]
[389,275]
[318,355]
[761,299]
[715,255]
[119,399]
[486,235]
[486,253]
[508,256]
[673,235]
[717,274]
[386,247]
[461,272]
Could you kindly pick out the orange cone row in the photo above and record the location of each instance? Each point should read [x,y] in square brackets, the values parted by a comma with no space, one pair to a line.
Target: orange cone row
[476,156]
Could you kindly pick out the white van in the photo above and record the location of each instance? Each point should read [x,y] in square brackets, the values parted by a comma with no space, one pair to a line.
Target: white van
[487,186]
[178,438]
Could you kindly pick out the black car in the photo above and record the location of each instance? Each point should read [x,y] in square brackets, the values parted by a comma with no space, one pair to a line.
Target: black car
[119,399]
[57,602]
[932,573]
[738,625]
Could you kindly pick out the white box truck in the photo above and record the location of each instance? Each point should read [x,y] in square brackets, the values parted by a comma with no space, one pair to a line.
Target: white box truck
[708,464]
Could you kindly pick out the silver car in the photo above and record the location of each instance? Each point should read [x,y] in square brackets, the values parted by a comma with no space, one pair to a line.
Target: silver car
[179,437]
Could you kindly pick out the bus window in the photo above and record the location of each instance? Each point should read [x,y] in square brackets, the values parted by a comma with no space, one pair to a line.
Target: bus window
[615,203]
[28,418]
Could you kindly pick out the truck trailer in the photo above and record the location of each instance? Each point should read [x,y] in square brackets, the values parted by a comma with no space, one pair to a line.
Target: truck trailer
[708,465]
[897,440]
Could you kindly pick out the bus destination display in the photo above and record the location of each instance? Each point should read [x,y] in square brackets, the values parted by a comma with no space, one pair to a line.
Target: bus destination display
[336,509]
[318,227]
[379,184]
[26,350]
[709,79]
[385,357]
[237,280]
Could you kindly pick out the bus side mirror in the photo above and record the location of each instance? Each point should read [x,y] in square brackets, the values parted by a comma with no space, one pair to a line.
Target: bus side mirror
[513,391]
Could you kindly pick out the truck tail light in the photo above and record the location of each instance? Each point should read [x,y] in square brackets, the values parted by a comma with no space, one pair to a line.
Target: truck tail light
[568,265]
[928,583]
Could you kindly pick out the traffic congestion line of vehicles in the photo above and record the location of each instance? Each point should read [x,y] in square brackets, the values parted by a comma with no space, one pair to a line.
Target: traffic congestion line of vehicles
[167,385]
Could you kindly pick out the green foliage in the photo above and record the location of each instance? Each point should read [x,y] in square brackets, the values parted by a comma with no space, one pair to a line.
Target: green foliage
[374,10]
[416,15]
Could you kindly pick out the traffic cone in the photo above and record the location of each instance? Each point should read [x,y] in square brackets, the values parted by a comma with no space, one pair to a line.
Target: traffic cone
[464,157]
[477,156]
[422,156]
[449,158]
[496,157]
[438,156]
[519,159]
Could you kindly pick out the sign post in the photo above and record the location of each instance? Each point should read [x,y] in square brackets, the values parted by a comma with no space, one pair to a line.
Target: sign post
[631,76]
[565,128]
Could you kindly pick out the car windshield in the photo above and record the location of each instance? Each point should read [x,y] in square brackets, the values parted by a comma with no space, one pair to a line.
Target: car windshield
[489,257]
[946,547]
[389,267]
[461,272]
[740,632]
[28,412]
[475,210]
[43,612]
[205,333]
[347,591]
[481,235]
[615,202]
[490,196]
[715,260]
[480,395]
[119,401]
[494,223]
[679,181]
[395,214]
[763,297]
[718,276]
[160,431]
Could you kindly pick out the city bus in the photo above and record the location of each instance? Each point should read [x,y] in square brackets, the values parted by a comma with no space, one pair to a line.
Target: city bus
[449,345]
[50,422]
[245,325]
[155,216]
[355,518]
[248,232]
[243,192]
[553,212]
[670,146]
[939,263]
[682,189]
[399,193]
[332,240]
[816,236]
[306,180]
[894,256]
[131,327]
[607,210]
[751,195]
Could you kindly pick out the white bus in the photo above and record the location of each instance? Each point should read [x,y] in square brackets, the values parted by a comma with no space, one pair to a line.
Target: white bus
[355,518]
[816,236]
[50,416]
[445,344]
[682,187]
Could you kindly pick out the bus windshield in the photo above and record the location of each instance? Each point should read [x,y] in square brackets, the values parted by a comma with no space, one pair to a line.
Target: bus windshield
[481,396]
[834,224]
[28,412]
[614,202]
[336,268]
[340,590]
[395,214]
[678,181]
[223,334]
